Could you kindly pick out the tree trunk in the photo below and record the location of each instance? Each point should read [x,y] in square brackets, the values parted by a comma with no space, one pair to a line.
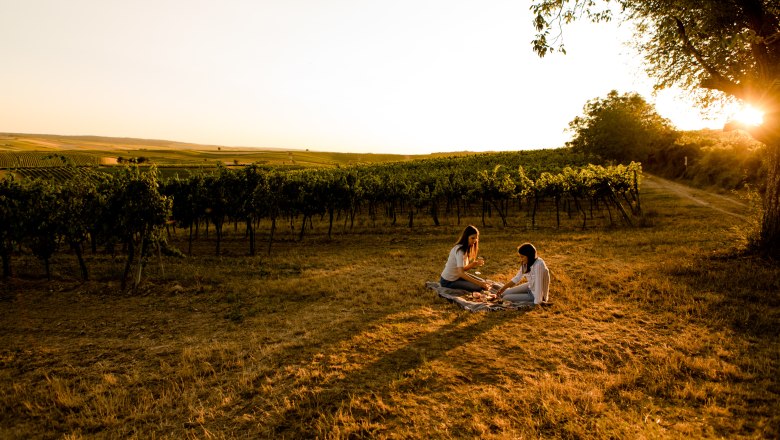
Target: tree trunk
[76,246]
[609,211]
[159,258]
[579,208]
[303,227]
[189,242]
[501,212]
[435,213]
[330,221]
[636,193]
[619,206]
[769,237]
[130,255]
[137,280]
[251,230]
[271,238]
[218,229]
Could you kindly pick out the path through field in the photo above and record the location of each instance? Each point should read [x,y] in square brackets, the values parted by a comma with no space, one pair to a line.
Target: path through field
[730,205]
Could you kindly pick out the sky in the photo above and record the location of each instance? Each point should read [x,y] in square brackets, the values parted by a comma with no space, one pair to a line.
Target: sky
[400,76]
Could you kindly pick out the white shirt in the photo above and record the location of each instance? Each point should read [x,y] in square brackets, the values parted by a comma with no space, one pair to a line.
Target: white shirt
[456,259]
[538,279]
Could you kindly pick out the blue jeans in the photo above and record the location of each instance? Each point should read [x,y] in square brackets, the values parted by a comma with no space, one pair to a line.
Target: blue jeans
[460,284]
[519,294]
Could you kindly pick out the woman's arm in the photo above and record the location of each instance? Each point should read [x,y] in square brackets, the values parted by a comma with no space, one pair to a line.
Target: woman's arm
[515,281]
[509,284]
[469,277]
[473,264]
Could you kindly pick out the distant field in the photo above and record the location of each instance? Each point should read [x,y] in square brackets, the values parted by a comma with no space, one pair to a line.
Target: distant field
[31,150]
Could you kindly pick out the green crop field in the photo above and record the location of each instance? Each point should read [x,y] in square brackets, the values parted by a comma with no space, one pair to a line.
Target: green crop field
[28,150]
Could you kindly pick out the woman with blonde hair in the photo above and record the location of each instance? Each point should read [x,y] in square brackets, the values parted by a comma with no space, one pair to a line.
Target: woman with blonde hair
[462,257]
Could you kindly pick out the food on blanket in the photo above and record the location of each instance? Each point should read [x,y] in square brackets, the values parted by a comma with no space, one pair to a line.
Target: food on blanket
[484,296]
[489,296]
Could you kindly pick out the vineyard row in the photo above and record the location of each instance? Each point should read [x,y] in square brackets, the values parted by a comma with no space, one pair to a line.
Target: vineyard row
[133,208]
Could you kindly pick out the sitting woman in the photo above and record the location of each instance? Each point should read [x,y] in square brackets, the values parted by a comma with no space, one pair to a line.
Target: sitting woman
[463,256]
[536,288]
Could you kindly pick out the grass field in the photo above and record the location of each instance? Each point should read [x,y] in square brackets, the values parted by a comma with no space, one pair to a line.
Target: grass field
[106,151]
[661,331]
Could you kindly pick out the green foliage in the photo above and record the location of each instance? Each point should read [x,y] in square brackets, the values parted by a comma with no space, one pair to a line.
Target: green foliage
[132,207]
[620,128]
[712,158]
[715,49]
[40,209]
[135,213]
[11,219]
[39,159]
[135,206]
[731,46]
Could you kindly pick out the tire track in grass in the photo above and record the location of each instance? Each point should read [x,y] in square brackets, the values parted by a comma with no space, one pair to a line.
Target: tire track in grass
[696,195]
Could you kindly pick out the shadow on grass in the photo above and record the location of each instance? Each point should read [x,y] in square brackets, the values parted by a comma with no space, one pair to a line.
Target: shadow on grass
[375,378]
[742,292]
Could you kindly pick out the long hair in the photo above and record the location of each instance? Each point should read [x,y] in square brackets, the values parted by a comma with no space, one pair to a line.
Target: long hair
[463,242]
[529,251]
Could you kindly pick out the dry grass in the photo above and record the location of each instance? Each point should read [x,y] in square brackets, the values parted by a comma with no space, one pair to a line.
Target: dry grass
[656,332]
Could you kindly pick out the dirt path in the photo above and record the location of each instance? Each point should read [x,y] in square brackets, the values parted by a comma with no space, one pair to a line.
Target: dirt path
[724,204]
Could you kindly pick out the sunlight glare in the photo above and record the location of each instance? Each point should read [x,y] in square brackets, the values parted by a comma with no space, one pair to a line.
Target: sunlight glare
[749,115]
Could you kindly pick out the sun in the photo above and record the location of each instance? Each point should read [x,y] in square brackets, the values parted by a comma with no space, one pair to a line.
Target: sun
[749,115]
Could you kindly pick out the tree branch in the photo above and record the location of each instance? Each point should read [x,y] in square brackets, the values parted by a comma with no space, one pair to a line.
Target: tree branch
[716,80]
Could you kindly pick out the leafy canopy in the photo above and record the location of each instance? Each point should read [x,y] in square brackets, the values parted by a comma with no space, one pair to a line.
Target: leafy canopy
[714,47]
[621,128]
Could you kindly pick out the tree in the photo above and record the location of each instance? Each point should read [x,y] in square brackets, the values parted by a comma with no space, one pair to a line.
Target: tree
[12,198]
[621,128]
[76,215]
[218,200]
[136,212]
[717,49]
[40,210]
[497,187]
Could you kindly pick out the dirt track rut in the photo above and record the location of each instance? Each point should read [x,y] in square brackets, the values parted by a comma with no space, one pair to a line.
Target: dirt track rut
[724,204]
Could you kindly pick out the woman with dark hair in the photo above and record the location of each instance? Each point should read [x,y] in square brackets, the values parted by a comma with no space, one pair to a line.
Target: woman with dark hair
[536,288]
[463,256]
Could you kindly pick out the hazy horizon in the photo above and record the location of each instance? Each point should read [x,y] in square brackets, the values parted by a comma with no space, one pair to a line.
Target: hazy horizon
[343,76]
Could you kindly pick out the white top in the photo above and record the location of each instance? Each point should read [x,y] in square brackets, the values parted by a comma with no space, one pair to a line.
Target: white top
[538,279]
[456,259]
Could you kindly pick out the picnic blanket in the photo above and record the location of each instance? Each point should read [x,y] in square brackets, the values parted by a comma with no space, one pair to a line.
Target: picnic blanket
[476,303]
